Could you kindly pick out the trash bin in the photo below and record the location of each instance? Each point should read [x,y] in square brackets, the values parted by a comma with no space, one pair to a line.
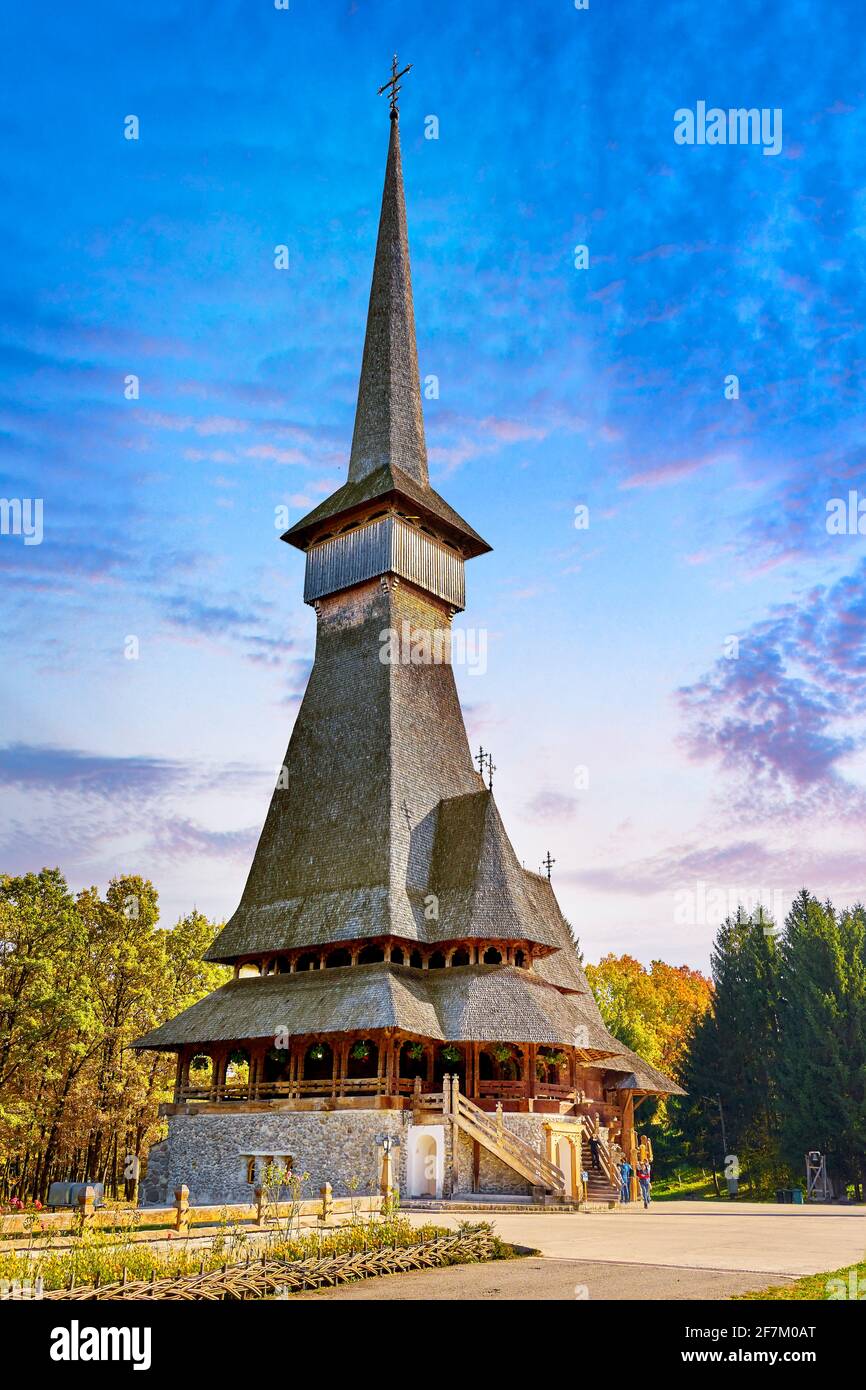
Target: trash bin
[797,1196]
[783,1194]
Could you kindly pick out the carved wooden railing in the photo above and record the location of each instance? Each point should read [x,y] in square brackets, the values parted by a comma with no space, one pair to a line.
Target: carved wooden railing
[592,1130]
[504,1144]
[503,1090]
[286,1090]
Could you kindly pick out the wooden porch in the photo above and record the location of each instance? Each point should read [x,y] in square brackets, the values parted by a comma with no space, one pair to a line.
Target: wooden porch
[387,1070]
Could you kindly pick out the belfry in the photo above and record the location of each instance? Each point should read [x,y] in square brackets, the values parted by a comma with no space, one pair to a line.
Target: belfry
[397,973]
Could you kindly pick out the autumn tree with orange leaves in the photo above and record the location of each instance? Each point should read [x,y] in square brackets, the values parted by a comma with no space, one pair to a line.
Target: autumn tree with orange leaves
[652,1011]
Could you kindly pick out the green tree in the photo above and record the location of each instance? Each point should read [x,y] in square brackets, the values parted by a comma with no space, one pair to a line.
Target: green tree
[823,1056]
[730,1068]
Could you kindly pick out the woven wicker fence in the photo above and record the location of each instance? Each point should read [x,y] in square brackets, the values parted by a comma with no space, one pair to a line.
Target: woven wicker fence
[268,1278]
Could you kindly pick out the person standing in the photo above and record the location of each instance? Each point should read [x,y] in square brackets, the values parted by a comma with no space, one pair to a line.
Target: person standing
[624,1182]
[594,1151]
[643,1175]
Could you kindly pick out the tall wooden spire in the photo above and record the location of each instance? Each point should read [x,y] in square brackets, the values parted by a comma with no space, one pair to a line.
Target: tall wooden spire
[389,425]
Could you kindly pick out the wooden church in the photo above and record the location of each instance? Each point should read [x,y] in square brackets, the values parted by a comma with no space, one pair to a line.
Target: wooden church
[401,983]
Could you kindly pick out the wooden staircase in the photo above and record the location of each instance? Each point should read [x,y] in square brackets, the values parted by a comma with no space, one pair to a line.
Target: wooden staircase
[600,1186]
[490,1132]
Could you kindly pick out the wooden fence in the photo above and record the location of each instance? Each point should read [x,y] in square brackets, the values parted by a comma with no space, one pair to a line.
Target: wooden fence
[181,1216]
[269,1278]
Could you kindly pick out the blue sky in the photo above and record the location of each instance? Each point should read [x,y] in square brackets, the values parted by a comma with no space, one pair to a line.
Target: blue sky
[609,647]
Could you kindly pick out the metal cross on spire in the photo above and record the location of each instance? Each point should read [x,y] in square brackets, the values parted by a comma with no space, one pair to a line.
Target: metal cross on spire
[485,760]
[392,88]
[548,864]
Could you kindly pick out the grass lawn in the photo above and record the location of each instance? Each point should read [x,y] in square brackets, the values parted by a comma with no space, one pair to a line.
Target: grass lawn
[817,1287]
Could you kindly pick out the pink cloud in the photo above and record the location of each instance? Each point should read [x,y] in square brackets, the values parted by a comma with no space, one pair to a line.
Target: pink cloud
[666,473]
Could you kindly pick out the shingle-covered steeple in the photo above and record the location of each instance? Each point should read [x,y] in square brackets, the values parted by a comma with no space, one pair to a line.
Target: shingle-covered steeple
[386,518]
[389,426]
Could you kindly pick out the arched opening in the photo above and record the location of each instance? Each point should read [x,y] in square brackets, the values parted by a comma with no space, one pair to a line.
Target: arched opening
[519,958]
[492,956]
[269,967]
[370,955]
[248,969]
[277,1065]
[363,1059]
[318,1062]
[499,1062]
[397,955]
[460,957]
[201,1071]
[451,1059]
[563,1163]
[282,966]
[338,958]
[550,1066]
[413,1060]
[307,962]
[424,1161]
[415,960]
[238,1067]
[436,961]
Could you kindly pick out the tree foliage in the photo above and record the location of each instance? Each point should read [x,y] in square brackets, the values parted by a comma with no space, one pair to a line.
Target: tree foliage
[651,1011]
[780,1058]
[80,978]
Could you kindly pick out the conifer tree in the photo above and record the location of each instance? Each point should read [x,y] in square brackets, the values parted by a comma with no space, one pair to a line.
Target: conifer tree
[730,1074]
[823,1056]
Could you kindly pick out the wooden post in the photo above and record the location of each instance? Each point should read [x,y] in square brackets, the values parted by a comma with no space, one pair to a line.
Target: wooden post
[499,1120]
[261,1204]
[385,1187]
[86,1204]
[181,1206]
[326,1194]
[446,1094]
[178,1077]
[390,1088]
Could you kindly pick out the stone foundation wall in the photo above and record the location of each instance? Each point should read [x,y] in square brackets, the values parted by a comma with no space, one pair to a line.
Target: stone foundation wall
[206,1152]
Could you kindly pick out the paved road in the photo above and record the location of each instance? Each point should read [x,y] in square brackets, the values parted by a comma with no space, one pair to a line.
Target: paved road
[735,1237]
[546,1279]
